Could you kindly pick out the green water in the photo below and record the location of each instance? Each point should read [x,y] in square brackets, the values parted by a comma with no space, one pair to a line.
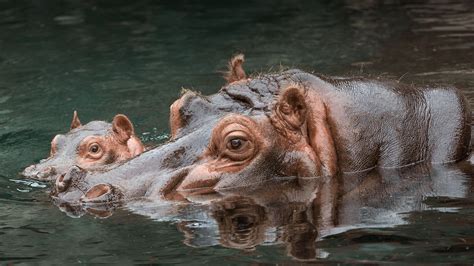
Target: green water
[133,57]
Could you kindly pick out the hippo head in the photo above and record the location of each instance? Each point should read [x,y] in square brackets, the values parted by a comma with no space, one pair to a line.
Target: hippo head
[244,150]
[88,146]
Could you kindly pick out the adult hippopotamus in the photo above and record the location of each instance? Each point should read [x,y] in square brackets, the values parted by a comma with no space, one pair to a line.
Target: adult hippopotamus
[88,146]
[291,123]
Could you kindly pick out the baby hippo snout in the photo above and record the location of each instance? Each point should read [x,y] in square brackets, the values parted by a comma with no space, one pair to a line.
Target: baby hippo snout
[32,171]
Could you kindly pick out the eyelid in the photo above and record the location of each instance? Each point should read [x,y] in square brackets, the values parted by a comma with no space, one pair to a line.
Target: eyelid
[236,134]
[94,144]
[228,132]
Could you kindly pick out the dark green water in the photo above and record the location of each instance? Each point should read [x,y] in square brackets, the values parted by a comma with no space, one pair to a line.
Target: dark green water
[133,57]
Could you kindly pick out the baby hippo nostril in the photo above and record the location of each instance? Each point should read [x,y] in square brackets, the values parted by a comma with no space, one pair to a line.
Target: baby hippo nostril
[47,172]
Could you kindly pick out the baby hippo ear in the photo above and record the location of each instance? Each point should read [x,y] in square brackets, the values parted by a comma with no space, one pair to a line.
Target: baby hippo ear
[125,133]
[291,107]
[75,121]
[122,127]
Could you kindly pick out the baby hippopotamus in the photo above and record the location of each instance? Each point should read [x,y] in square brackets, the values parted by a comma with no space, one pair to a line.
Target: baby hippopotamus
[89,146]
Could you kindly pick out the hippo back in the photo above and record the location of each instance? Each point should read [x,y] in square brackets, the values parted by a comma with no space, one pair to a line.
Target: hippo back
[391,124]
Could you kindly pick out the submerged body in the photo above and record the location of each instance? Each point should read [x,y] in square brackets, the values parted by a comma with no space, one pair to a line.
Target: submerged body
[287,124]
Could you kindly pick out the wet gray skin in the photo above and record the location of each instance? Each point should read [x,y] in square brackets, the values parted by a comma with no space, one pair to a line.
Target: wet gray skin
[66,154]
[373,123]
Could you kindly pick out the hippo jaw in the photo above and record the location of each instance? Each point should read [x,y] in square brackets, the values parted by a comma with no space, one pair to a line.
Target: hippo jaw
[79,209]
[99,201]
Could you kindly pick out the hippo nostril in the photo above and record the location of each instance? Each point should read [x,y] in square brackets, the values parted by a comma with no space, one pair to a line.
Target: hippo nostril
[62,183]
[61,178]
[102,193]
[47,172]
[76,170]
[97,191]
[65,180]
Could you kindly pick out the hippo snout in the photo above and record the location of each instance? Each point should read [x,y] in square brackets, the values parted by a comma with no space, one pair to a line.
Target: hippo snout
[35,172]
[73,188]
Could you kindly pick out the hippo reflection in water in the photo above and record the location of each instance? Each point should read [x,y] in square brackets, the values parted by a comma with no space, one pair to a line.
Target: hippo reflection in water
[287,124]
[289,214]
[287,211]
[95,144]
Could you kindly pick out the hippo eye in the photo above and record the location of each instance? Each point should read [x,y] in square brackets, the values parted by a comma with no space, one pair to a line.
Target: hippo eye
[94,148]
[238,146]
[235,144]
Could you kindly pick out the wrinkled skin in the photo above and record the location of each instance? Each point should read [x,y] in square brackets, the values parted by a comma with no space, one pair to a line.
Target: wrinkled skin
[287,124]
[89,146]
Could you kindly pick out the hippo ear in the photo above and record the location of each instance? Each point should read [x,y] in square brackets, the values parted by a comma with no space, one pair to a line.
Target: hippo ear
[125,133]
[291,108]
[235,70]
[123,128]
[320,134]
[75,121]
[297,108]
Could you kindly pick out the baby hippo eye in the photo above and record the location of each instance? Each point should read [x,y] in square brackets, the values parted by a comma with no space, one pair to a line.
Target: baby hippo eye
[94,148]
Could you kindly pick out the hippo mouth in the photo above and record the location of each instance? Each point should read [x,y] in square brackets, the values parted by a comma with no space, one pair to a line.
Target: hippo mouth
[203,186]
